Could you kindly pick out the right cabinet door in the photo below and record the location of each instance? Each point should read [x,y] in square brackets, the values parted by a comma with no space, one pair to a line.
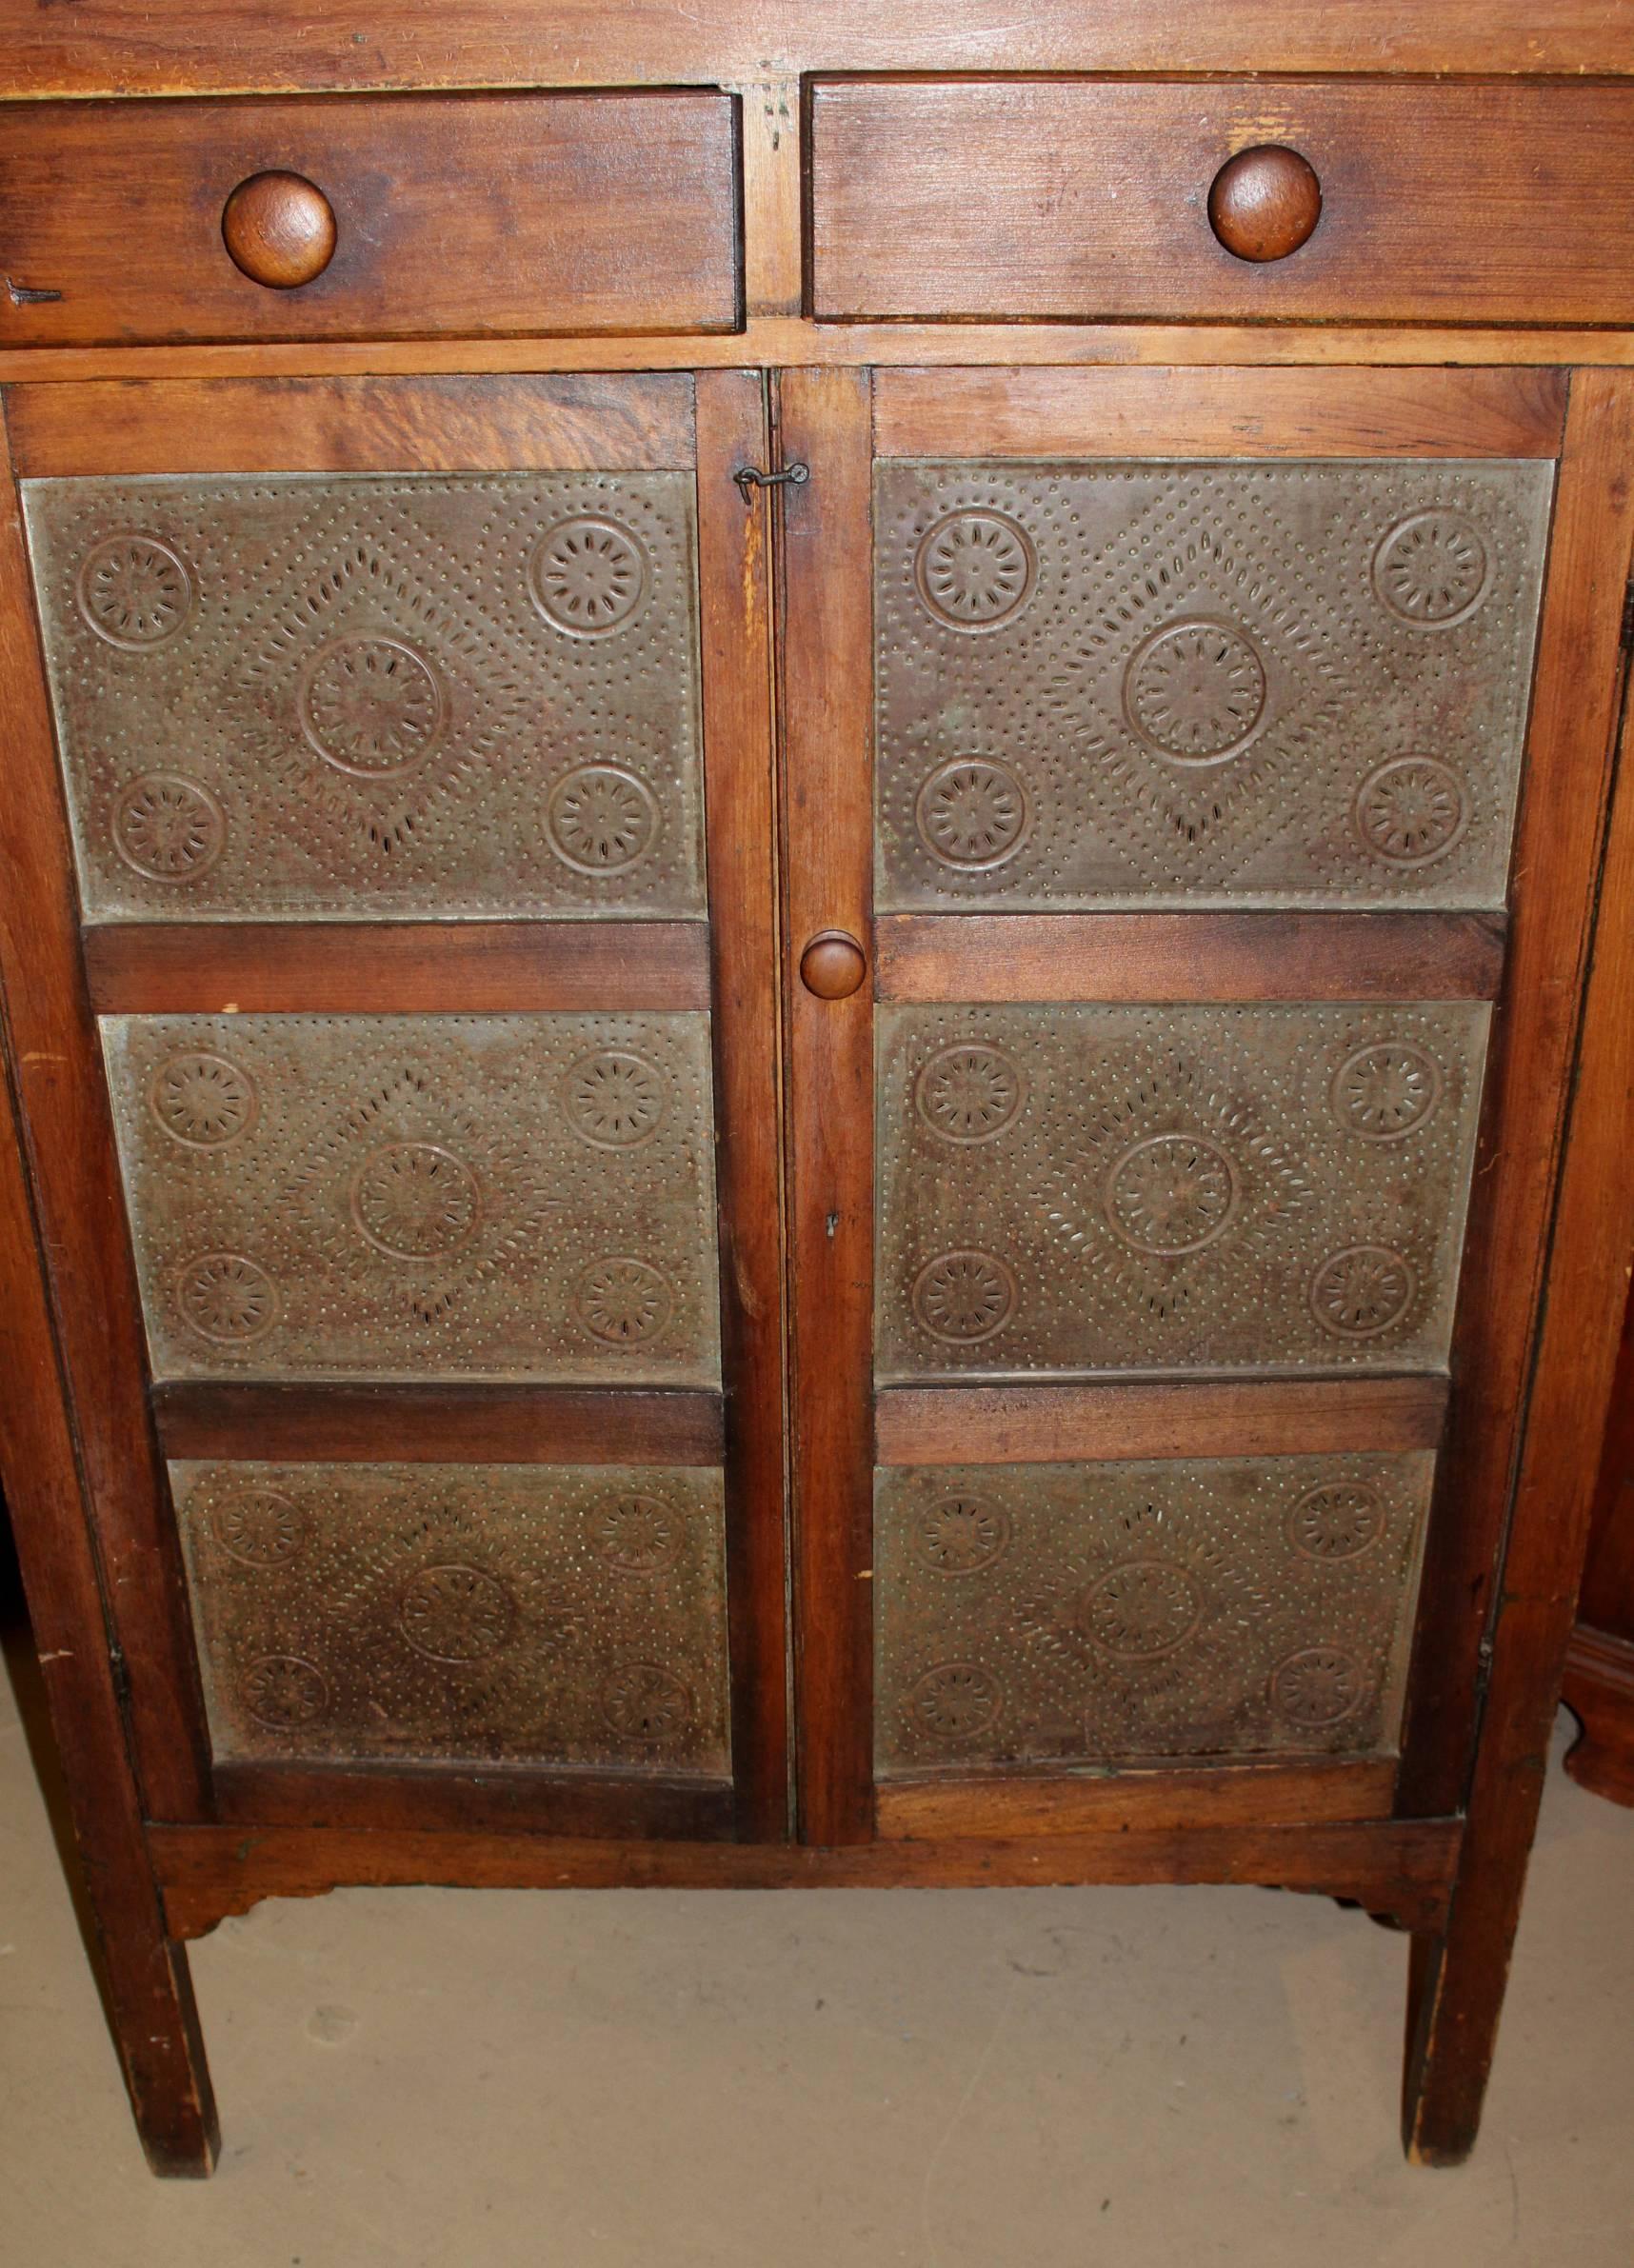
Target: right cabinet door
[1132,1187]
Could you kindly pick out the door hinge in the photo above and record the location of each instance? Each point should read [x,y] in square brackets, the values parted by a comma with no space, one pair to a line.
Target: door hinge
[1628,617]
[121,1678]
[749,478]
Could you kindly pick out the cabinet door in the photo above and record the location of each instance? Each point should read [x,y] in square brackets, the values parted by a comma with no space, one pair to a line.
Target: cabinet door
[1171,827]
[415,751]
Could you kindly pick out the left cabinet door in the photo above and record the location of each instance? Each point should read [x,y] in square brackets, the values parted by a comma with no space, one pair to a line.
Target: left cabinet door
[390,975]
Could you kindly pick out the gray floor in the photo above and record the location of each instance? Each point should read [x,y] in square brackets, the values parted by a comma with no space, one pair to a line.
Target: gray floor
[472,2079]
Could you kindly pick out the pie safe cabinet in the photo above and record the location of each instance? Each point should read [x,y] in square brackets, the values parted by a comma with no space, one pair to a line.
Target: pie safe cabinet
[793,1020]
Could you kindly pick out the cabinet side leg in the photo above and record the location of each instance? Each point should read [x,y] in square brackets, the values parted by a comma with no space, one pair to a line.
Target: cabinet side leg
[142,1971]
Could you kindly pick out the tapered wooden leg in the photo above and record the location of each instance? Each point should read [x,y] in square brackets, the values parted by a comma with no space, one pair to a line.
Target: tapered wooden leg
[1453,2005]
[143,1974]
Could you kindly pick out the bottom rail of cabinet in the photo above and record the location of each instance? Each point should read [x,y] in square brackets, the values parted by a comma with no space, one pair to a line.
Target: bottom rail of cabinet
[1400,1870]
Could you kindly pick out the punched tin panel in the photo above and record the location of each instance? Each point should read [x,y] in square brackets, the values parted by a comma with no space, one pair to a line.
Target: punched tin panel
[1189,684]
[303,697]
[1186,1608]
[420,1612]
[421,1196]
[1086,1188]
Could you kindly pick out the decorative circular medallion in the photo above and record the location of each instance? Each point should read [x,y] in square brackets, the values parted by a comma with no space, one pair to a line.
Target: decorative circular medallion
[1385,1091]
[1337,1520]
[962,1535]
[588,575]
[623,1303]
[1432,569]
[227,1297]
[601,819]
[1172,1194]
[1195,692]
[1142,1608]
[281,1692]
[1316,1686]
[638,1535]
[969,1093]
[614,1101]
[134,592]
[260,1528]
[200,1099]
[456,1614]
[415,1200]
[958,1700]
[643,1701]
[975,569]
[1410,811]
[972,813]
[963,1297]
[1361,1291]
[169,827]
[371,706]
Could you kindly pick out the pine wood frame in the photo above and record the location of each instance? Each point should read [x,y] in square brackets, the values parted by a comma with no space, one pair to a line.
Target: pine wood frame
[174,1847]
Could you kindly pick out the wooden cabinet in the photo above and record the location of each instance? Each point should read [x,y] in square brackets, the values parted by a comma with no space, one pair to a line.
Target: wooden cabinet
[801,1107]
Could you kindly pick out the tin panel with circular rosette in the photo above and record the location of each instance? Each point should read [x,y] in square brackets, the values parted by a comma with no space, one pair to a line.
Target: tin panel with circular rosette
[1086,1188]
[416,1197]
[516,1613]
[360,697]
[1194,685]
[1192,1607]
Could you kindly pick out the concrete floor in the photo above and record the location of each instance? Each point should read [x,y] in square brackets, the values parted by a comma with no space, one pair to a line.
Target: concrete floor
[434,2078]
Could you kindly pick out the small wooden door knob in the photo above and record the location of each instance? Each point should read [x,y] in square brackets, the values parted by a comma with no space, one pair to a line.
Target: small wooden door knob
[280,229]
[833,964]
[1264,202]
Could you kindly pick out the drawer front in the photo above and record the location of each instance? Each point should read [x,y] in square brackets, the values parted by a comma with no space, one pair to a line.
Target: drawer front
[1141,684]
[1077,1188]
[422,1197]
[480,214]
[423,1613]
[1082,200]
[1196,1607]
[367,697]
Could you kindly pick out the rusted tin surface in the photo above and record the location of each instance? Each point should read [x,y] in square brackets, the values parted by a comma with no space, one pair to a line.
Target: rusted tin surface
[515,1613]
[1246,685]
[1187,1608]
[506,1197]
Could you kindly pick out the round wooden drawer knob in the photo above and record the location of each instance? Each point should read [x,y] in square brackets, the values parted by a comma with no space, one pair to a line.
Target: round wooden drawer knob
[280,229]
[1265,202]
[833,965]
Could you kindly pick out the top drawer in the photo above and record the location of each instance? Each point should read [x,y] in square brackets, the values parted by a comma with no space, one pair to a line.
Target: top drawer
[480,214]
[1086,200]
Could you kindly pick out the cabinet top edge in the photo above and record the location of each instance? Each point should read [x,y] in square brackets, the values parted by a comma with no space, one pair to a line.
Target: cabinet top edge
[126,48]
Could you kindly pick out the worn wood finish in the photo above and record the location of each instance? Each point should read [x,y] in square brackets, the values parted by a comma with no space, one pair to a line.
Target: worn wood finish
[55,1062]
[526,424]
[985,198]
[825,421]
[469,1798]
[946,1806]
[110,47]
[207,968]
[1396,1867]
[1180,412]
[1057,1424]
[1188,956]
[486,214]
[1556,853]
[1264,202]
[280,230]
[144,1975]
[447,1425]
[777,340]
[1459,1977]
[733,540]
